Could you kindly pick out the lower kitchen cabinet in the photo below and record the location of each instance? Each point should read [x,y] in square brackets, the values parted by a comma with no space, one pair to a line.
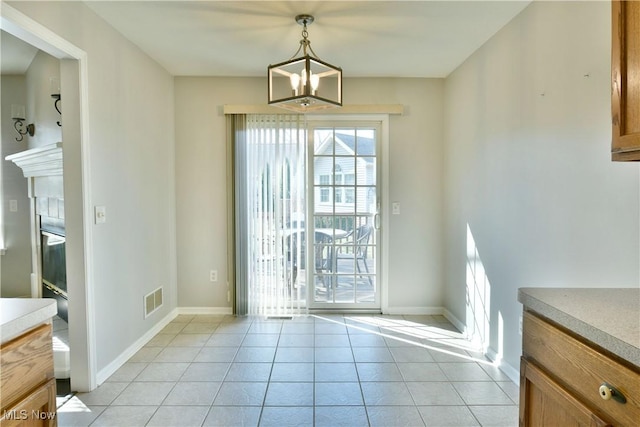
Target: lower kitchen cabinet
[27,382]
[567,381]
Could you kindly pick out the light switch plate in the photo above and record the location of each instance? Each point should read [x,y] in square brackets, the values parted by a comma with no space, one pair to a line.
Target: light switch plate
[100,214]
[395,208]
[13,206]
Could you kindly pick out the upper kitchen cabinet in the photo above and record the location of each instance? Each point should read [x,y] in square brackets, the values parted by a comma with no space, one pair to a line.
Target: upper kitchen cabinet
[625,80]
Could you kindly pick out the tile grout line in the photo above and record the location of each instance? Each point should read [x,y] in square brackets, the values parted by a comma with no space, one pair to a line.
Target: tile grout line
[254,328]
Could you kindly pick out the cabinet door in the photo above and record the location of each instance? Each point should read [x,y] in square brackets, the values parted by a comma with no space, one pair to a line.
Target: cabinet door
[38,409]
[25,364]
[625,80]
[543,402]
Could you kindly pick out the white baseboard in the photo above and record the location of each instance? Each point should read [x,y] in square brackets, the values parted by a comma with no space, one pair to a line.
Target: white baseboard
[461,326]
[61,363]
[430,311]
[108,370]
[510,371]
[205,310]
[399,311]
[112,367]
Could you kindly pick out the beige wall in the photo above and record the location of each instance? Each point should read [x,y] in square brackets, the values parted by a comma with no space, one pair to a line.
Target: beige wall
[415,163]
[528,169]
[130,171]
[16,262]
[40,105]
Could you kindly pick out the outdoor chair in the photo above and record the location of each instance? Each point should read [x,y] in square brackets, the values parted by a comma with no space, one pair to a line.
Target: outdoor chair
[357,249]
[296,254]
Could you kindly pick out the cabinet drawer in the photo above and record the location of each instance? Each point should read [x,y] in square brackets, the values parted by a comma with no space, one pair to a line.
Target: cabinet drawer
[25,364]
[582,369]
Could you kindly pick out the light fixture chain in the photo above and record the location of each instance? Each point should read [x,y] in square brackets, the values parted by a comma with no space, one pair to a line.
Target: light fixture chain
[305,42]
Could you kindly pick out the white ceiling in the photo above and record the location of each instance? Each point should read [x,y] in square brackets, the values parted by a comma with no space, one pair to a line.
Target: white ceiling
[365,38]
[15,55]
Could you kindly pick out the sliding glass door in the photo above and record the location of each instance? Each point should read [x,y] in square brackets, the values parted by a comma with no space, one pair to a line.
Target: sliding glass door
[306,215]
[343,207]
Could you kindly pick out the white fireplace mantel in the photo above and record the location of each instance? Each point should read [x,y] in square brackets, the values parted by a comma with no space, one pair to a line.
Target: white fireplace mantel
[41,161]
[42,166]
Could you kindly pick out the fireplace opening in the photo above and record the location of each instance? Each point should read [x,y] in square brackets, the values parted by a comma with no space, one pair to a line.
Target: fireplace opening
[54,270]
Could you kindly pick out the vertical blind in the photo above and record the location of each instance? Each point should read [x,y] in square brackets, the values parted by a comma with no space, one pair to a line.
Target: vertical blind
[269,190]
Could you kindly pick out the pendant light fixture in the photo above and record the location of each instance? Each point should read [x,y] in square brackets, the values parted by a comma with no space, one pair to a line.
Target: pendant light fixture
[305,83]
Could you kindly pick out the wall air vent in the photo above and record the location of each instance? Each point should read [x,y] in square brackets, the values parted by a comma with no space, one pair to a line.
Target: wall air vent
[152,302]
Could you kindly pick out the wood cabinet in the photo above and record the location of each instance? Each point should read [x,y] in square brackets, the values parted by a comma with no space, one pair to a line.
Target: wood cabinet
[27,382]
[544,402]
[625,80]
[561,375]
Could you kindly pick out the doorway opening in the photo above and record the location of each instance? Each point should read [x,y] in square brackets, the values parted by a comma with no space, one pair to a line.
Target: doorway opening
[74,85]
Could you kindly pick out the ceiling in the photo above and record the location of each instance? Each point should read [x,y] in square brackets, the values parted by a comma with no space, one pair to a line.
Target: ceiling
[365,38]
[15,55]
[240,38]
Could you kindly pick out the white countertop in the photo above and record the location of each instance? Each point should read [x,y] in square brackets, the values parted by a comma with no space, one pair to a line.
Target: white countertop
[18,315]
[608,317]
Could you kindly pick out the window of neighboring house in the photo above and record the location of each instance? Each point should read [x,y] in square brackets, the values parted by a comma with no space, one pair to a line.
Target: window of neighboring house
[346,193]
[350,192]
[338,177]
[324,191]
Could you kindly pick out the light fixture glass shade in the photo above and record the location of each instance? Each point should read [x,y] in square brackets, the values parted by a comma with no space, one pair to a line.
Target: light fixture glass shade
[18,112]
[305,84]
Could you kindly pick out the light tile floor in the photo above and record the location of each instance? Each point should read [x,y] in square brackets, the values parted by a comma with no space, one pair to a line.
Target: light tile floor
[322,370]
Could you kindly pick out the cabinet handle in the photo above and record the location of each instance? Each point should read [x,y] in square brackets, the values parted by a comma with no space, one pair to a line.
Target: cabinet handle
[608,392]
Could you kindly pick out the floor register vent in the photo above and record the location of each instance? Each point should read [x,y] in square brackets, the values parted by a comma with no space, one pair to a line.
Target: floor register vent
[152,302]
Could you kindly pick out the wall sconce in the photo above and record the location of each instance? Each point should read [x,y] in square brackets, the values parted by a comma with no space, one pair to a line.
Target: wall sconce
[18,116]
[55,94]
